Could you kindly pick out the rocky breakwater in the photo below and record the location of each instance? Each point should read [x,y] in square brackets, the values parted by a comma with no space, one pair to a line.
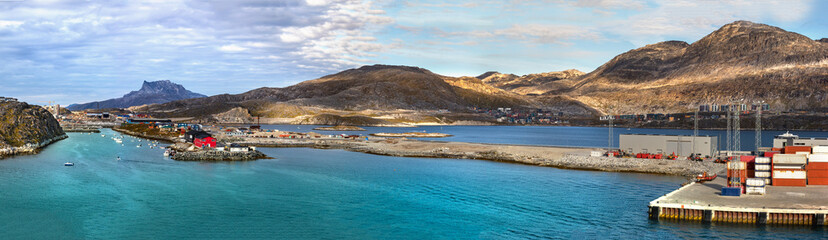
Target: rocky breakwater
[26,128]
[186,152]
[659,166]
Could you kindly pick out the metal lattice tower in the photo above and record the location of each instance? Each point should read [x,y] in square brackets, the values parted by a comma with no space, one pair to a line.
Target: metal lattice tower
[737,141]
[729,137]
[609,144]
[695,130]
[758,128]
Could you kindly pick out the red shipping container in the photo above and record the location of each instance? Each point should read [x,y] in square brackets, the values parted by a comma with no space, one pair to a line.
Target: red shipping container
[789,182]
[777,149]
[770,154]
[817,181]
[818,173]
[817,166]
[744,174]
[795,149]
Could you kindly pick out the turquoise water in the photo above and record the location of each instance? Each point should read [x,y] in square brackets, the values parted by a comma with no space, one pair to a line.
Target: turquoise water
[327,194]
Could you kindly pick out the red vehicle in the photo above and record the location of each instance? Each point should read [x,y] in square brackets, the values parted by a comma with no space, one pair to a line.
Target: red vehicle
[704,177]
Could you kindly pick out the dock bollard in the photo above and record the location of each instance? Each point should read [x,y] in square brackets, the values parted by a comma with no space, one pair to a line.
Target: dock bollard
[819,219]
[762,218]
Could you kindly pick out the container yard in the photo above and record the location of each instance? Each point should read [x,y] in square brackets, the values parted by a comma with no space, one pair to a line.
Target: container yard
[787,185]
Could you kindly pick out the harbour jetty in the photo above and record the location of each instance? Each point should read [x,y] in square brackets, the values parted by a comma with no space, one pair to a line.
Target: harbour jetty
[703,202]
[340,128]
[412,134]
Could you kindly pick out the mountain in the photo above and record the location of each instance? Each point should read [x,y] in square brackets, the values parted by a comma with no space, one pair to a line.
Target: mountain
[741,60]
[26,127]
[150,93]
[530,83]
[368,90]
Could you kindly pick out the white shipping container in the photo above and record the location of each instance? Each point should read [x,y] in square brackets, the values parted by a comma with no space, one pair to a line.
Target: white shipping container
[596,153]
[818,157]
[762,174]
[788,167]
[790,174]
[736,165]
[790,159]
[762,167]
[763,160]
[767,181]
[819,149]
[806,154]
[755,182]
[755,190]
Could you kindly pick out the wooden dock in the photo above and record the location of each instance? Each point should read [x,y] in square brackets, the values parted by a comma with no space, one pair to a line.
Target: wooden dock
[702,202]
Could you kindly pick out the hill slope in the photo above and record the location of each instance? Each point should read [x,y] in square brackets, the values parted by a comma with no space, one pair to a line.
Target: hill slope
[151,92]
[741,60]
[26,126]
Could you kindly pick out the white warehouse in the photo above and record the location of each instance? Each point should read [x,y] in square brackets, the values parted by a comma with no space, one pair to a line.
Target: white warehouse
[668,144]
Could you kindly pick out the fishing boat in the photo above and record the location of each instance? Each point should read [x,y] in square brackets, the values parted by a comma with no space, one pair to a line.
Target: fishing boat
[69,164]
[167,153]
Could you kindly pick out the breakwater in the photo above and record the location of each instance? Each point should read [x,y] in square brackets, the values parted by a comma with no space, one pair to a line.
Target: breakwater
[211,155]
[137,134]
[560,157]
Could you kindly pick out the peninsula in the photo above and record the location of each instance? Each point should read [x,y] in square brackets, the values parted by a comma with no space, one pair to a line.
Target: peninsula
[25,128]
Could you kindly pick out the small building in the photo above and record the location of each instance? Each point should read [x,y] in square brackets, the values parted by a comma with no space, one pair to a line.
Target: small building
[191,135]
[237,148]
[788,139]
[668,144]
[204,141]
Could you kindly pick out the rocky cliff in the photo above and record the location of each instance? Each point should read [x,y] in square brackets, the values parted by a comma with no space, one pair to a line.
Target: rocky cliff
[150,93]
[26,128]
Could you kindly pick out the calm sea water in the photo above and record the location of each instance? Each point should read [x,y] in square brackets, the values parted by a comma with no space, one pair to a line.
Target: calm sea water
[330,194]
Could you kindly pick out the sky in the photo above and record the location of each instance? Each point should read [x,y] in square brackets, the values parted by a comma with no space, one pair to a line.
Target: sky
[79,51]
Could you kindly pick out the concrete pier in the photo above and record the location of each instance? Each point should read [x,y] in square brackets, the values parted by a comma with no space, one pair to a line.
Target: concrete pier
[702,202]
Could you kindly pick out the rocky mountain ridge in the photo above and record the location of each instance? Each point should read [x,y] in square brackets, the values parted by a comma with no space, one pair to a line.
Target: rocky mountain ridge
[162,91]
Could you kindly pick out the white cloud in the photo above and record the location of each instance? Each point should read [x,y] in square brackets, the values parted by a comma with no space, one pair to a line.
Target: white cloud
[231,48]
[10,24]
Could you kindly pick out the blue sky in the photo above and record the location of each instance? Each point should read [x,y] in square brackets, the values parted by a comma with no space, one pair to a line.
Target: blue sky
[79,51]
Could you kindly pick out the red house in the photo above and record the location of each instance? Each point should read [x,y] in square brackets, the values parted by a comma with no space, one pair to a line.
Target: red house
[205,142]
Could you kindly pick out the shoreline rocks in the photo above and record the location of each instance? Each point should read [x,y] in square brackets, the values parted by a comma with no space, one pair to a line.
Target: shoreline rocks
[412,135]
[215,156]
[340,128]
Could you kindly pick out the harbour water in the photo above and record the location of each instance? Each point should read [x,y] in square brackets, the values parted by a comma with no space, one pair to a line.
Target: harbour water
[333,194]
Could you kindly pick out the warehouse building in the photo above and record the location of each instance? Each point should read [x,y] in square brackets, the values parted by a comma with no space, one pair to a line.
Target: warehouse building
[789,139]
[668,144]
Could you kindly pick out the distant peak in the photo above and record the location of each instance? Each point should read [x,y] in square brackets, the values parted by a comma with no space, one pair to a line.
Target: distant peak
[824,40]
[487,74]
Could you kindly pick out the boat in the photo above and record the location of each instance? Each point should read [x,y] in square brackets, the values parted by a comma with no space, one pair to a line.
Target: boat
[69,164]
[704,177]
[167,153]
[139,145]
[103,135]
[119,158]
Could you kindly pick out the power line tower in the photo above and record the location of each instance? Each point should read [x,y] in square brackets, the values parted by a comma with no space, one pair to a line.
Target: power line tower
[758,124]
[695,129]
[729,135]
[609,145]
[737,141]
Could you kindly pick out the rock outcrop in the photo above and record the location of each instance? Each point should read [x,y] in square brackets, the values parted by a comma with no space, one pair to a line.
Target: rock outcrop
[26,128]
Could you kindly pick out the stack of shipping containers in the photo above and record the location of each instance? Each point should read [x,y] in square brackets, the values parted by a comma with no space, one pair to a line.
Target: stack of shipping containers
[736,172]
[818,166]
[789,169]
[762,169]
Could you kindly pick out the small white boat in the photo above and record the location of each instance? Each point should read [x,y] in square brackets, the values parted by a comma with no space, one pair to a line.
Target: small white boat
[69,164]
[119,158]
[167,153]
[103,135]
[139,145]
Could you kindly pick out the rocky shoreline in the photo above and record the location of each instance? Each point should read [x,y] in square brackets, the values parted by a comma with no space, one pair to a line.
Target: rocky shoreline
[340,128]
[29,148]
[412,134]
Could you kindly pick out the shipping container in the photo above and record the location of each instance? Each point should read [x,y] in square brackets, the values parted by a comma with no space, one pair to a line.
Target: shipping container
[789,174]
[818,157]
[789,159]
[795,149]
[817,166]
[763,174]
[817,173]
[817,181]
[762,167]
[736,165]
[755,182]
[731,191]
[789,182]
[788,167]
[819,149]
[755,190]
[760,160]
